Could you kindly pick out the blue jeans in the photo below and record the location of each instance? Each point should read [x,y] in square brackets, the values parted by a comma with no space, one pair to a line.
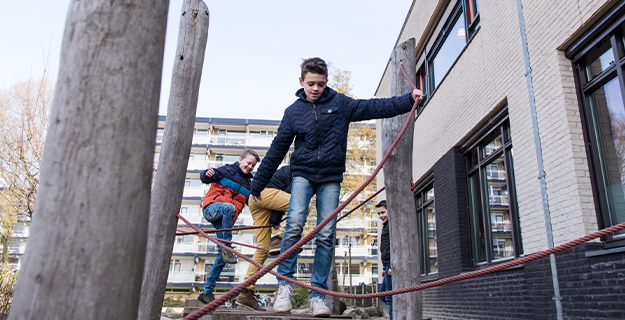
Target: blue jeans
[387,285]
[327,200]
[212,212]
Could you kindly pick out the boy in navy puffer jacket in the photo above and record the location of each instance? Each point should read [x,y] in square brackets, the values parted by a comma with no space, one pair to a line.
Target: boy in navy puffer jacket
[318,121]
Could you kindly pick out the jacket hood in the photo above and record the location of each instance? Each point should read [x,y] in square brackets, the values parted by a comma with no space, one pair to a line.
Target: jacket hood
[328,93]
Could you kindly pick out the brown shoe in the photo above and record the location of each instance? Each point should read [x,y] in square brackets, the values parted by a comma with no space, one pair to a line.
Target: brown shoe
[276,243]
[248,301]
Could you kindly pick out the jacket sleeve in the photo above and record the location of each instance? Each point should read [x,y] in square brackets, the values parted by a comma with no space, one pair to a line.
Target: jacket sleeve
[278,149]
[283,178]
[216,176]
[359,110]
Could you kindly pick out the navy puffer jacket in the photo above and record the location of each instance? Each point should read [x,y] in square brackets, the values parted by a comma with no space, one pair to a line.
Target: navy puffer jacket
[320,133]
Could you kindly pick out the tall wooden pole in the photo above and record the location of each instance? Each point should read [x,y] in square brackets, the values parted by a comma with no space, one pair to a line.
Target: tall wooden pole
[175,149]
[86,251]
[400,199]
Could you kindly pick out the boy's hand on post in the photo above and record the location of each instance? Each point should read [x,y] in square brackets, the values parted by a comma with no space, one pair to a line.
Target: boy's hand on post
[417,95]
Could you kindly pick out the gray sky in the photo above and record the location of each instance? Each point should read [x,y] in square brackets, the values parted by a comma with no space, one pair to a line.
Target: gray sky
[254,48]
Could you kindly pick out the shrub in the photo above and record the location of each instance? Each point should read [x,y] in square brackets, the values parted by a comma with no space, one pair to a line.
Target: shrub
[300,298]
[7,285]
[171,302]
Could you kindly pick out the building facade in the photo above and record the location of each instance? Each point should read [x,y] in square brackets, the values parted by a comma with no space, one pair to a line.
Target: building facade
[218,141]
[517,148]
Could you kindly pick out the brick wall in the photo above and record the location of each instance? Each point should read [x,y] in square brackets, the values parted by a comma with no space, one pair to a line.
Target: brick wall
[452,222]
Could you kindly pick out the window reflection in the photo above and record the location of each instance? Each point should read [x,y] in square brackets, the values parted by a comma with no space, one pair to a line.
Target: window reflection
[599,59]
[606,104]
[449,51]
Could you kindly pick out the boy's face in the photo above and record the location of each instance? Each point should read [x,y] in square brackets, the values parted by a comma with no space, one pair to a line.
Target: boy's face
[247,165]
[314,84]
[382,213]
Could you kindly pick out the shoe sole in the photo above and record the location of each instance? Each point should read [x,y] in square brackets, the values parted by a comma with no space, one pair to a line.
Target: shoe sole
[323,314]
[282,310]
[229,261]
[245,306]
[274,252]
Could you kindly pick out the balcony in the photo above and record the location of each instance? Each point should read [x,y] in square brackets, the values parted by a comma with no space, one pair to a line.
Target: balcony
[194,192]
[188,276]
[185,247]
[498,200]
[240,140]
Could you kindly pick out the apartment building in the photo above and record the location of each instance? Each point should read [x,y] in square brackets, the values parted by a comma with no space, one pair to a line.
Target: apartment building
[517,148]
[218,141]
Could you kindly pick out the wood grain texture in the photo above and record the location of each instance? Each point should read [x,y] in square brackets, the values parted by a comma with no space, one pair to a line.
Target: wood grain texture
[175,149]
[400,199]
[86,249]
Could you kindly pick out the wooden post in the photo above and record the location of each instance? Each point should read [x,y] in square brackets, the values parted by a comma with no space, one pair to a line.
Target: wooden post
[86,248]
[175,150]
[400,199]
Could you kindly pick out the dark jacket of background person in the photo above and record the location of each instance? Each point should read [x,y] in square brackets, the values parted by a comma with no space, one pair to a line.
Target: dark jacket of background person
[281,180]
[320,133]
[385,245]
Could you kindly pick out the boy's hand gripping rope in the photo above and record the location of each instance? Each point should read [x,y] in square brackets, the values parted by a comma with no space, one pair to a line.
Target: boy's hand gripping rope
[213,305]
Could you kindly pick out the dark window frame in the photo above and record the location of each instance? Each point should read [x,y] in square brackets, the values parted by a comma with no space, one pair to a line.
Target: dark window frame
[424,253]
[607,27]
[501,122]
[471,28]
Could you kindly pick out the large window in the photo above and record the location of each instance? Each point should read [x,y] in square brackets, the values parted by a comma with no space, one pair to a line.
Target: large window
[456,32]
[494,218]
[426,219]
[599,61]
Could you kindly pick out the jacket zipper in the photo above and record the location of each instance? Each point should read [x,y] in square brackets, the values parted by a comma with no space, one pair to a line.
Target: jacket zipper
[222,193]
[318,141]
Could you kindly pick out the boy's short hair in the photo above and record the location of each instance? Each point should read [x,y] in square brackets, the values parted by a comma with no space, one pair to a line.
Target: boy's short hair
[314,65]
[381,204]
[247,152]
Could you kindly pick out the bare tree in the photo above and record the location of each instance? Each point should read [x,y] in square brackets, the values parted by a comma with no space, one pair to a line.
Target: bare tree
[24,113]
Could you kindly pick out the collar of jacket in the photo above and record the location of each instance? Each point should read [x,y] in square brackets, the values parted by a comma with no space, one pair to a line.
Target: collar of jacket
[248,175]
[328,93]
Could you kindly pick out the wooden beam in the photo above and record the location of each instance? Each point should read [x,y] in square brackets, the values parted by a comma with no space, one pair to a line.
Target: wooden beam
[172,164]
[403,225]
[86,249]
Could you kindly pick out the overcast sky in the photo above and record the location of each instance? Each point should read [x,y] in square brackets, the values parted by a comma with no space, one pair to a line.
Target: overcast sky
[254,48]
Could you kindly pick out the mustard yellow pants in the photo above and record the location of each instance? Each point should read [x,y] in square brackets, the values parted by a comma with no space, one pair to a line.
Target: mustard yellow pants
[272,199]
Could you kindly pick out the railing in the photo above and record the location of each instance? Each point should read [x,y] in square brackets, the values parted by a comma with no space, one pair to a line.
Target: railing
[501,226]
[188,276]
[501,200]
[194,192]
[185,247]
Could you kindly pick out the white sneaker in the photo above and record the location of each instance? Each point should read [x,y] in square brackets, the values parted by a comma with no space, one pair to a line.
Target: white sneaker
[318,307]
[283,300]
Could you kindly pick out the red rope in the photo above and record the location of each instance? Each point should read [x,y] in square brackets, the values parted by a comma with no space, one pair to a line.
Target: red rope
[234,291]
[360,205]
[182,233]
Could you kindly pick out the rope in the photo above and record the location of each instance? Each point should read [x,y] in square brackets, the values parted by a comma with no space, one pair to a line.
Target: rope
[182,233]
[234,291]
[360,205]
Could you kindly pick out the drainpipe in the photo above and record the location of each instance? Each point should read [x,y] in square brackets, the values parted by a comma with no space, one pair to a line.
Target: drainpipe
[541,168]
